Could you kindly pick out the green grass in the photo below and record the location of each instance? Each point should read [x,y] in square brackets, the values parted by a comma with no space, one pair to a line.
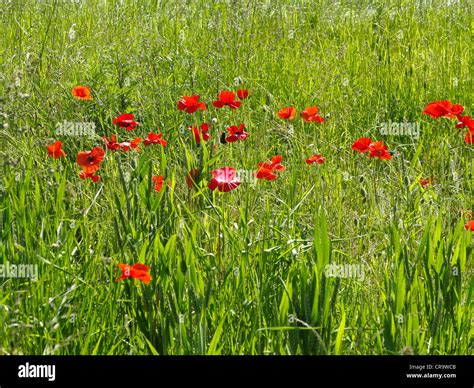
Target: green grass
[241,272]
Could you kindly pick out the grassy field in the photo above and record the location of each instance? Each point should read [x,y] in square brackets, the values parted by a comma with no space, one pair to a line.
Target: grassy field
[246,271]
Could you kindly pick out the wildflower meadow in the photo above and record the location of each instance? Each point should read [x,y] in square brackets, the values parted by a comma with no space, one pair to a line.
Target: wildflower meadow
[236,177]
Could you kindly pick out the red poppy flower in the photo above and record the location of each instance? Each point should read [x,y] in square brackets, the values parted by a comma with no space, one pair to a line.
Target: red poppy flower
[55,150]
[126,120]
[236,133]
[85,175]
[242,93]
[81,92]
[379,150]
[202,131]
[154,138]
[320,159]
[443,108]
[192,177]
[287,113]
[267,170]
[469,137]
[276,163]
[224,180]
[158,181]
[465,121]
[310,115]
[191,104]
[111,143]
[469,225]
[136,271]
[362,145]
[90,160]
[226,98]
[427,181]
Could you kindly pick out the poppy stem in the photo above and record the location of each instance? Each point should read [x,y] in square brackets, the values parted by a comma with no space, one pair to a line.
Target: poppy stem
[221,238]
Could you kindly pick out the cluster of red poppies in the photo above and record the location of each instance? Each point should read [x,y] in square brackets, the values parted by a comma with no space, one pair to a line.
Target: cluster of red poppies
[90,161]
[224,179]
[445,108]
[191,104]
